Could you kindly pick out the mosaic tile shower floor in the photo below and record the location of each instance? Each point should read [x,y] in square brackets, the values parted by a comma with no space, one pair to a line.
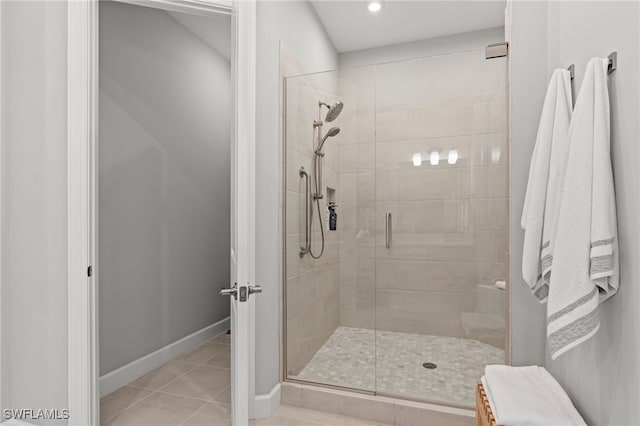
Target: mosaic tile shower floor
[348,359]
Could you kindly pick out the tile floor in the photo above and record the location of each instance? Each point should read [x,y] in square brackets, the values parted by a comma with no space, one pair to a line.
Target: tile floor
[194,390]
[392,363]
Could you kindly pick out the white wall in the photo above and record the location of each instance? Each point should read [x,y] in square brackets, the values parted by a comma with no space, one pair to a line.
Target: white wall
[34,201]
[38,36]
[528,86]
[602,375]
[296,25]
[164,182]
[422,48]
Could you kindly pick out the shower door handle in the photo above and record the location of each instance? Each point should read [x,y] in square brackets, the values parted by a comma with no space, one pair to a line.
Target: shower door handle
[307,212]
[388,230]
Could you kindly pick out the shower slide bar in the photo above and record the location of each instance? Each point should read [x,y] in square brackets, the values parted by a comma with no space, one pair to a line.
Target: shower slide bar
[388,230]
[307,213]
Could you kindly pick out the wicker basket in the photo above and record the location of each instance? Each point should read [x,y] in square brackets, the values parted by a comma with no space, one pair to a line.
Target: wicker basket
[484,416]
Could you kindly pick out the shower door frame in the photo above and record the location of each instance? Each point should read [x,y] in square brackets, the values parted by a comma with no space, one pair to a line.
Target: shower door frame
[284,375]
[82,127]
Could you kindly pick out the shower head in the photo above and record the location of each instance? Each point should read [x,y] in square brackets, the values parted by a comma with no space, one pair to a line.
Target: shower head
[334,110]
[331,133]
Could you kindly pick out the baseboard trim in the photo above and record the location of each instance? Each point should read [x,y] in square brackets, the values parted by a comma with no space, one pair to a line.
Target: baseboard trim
[128,373]
[266,405]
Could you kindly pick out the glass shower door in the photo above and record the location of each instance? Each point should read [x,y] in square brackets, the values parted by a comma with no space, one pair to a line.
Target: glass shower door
[330,293]
[441,211]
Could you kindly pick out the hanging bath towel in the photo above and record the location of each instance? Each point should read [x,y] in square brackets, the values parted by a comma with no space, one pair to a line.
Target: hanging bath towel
[585,255]
[540,205]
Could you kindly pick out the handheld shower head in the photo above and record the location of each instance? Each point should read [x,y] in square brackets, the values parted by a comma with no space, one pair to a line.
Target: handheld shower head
[331,133]
[334,110]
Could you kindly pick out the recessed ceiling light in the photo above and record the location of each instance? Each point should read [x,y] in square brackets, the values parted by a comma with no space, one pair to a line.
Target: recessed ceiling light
[374,6]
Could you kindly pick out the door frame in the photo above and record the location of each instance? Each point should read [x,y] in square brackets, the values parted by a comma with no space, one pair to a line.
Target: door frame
[82,134]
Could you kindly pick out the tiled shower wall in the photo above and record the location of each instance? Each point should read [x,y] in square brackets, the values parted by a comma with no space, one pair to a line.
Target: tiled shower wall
[312,285]
[450,223]
[356,210]
[449,242]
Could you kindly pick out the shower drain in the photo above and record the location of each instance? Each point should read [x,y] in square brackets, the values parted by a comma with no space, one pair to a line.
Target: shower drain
[429,365]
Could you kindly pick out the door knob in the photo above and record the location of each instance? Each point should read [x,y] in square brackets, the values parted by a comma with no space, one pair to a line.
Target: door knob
[233,291]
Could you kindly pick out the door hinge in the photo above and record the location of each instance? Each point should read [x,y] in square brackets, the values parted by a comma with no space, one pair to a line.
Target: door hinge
[90,271]
[497,50]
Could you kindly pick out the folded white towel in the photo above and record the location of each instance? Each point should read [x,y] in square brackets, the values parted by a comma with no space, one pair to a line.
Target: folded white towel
[540,205]
[528,396]
[585,253]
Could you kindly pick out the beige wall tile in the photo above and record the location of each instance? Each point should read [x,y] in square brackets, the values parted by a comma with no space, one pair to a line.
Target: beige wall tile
[290,394]
[489,182]
[357,307]
[347,405]
[489,149]
[296,160]
[429,276]
[357,272]
[471,247]
[292,288]
[404,245]
[295,210]
[319,417]
[354,158]
[448,117]
[356,186]
[412,416]
[392,125]
[422,312]
[489,213]
[423,183]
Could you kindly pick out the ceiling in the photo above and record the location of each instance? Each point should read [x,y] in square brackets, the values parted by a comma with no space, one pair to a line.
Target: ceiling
[352,27]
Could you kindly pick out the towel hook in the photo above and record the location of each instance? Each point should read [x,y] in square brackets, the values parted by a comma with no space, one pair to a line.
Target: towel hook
[572,71]
[613,62]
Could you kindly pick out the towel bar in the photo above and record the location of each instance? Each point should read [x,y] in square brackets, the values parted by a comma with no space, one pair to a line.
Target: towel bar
[613,65]
[613,62]
[572,71]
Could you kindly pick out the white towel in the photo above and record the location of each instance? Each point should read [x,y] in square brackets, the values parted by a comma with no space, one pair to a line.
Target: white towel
[528,396]
[540,205]
[585,256]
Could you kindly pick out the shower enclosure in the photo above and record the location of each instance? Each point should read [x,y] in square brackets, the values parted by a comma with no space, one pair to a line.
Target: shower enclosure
[403,301]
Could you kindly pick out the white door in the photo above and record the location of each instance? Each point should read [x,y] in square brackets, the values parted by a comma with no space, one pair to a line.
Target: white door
[242,291]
